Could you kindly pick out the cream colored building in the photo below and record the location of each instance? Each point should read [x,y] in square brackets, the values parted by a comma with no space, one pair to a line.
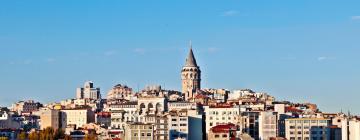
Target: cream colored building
[306,128]
[77,117]
[49,118]
[139,131]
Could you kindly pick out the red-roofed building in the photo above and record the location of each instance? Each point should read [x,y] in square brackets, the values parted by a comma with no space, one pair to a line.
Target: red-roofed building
[223,132]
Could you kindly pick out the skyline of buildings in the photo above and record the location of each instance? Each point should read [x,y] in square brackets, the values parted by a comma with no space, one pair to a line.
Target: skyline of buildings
[155,113]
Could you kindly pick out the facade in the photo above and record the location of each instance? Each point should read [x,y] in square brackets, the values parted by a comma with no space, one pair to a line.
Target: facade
[120,92]
[139,131]
[25,106]
[250,123]
[221,115]
[219,95]
[190,76]
[7,121]
[151,105]
[350,129]
[178,124]
[307,128]
[103,119]
[122,113]
[77,117]
[88,91]
[49,118]
[267,125]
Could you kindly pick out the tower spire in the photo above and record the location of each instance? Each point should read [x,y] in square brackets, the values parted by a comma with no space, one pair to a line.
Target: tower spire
[190,60]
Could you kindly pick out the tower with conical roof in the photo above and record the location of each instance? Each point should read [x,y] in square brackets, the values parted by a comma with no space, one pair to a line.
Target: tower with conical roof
[190,76]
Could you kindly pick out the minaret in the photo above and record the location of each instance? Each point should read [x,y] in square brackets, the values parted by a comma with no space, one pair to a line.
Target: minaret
[190,76]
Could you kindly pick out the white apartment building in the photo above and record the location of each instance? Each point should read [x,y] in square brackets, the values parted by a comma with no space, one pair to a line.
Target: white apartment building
[122,113]
[88,91]
[221,114]
[350,129]
[267,125]
[178,124]
[306,128]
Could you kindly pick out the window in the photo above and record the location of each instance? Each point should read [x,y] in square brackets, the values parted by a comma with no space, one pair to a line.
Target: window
[224,136]
[211,124]
[148,134]
[292,127]
[174,125]
[217,136]
[173,120]
[142,134]
[182,124]
[135,134]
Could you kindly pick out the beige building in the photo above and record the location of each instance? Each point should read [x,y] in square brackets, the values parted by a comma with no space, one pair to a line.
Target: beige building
[139,131]
[49,118]
[77,117]
[306,128]
[190,76]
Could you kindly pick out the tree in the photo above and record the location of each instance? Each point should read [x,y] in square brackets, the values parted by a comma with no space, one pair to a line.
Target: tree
[4,138]
[21,136]
[34,136]
[90,136]
[67,137]
[59,134]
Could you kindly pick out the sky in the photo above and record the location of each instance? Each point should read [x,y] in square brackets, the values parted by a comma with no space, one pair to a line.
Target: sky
[296,50]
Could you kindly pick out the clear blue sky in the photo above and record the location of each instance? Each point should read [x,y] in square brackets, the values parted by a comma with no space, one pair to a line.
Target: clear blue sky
[297,50]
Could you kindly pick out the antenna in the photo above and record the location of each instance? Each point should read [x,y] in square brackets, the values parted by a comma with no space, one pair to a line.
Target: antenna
[190,43]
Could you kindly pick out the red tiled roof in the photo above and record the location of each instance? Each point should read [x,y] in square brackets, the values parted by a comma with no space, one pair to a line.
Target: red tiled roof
[292,109]
[223,128]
